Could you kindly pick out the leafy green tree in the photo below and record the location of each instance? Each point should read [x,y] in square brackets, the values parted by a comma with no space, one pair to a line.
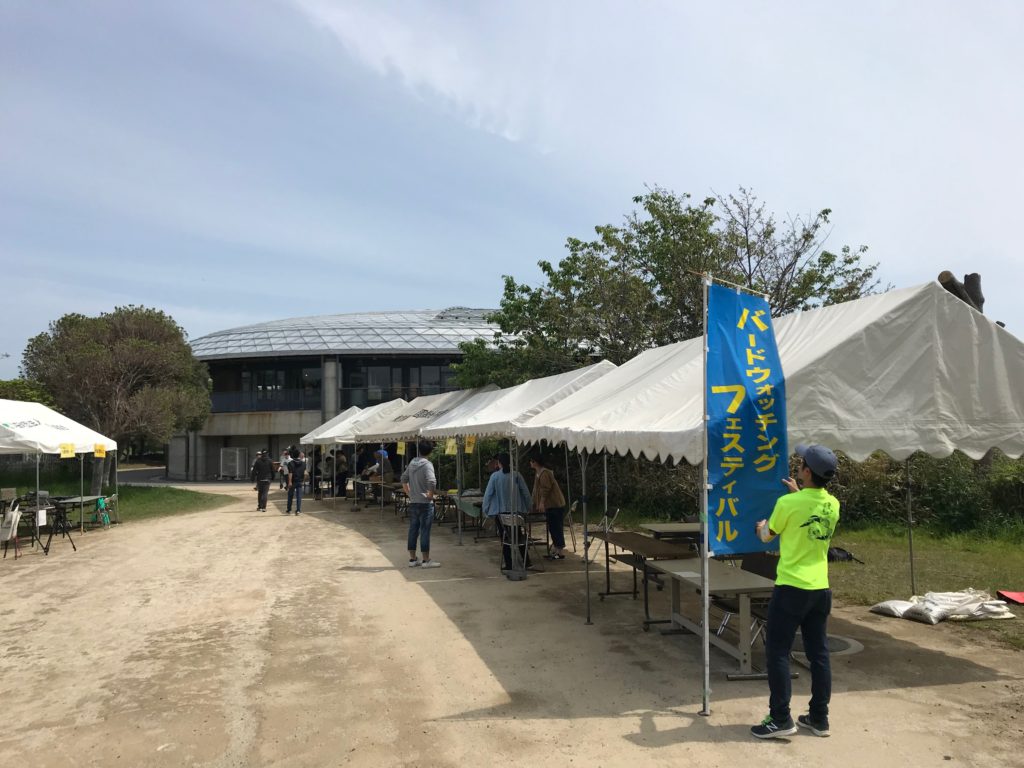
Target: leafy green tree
[638,285]
[128,374]
[26,391]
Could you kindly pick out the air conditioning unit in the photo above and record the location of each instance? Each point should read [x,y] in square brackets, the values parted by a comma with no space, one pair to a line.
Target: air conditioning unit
[234,463]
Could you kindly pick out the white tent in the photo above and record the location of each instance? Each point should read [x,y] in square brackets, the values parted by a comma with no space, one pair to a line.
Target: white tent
[912,369]
[344,431]
[310,437]
[405,423]
[498,412]
[34,428]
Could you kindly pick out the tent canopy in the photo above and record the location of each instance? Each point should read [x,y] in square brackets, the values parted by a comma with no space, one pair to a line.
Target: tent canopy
[908,370]
[310,437]
[344,431]
[34,428]
[498,412]
[405,424]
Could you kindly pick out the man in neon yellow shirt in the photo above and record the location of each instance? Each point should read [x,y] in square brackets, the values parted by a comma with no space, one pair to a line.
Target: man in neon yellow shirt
[805,519]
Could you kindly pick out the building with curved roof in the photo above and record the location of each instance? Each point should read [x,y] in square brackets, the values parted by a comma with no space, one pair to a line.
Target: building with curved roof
[275,381]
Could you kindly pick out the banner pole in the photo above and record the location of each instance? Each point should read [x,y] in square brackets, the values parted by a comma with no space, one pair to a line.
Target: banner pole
[705,545]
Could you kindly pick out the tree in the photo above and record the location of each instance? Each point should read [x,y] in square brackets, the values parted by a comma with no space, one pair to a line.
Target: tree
[638,285]
[128,374]
[26,391]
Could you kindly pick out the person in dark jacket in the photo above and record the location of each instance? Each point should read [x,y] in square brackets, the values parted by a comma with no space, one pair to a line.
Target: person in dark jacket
[296,479]
[262,475]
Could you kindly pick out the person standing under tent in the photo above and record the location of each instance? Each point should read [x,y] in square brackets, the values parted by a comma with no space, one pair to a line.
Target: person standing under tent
[296,479]
[340,473]
[805,520]
[499,497]
[549,501]
[420,483]
[262,475]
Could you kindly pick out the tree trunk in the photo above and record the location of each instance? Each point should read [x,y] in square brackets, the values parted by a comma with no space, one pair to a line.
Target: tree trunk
[954,286]
[972,285]
[96,489]
[112,475]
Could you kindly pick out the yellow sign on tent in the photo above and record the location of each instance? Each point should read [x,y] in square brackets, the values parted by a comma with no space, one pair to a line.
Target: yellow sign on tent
[67,450]
[470,443]
[99,451]
[450,448]
[401,449]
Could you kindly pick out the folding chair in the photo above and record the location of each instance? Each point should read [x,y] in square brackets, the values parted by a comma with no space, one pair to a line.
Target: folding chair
[569,522]
[526,546]
[9,529]
[606,524]
[763,564]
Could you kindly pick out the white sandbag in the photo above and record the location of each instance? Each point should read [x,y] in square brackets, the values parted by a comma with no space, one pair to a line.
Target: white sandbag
[968,604]
[894,608]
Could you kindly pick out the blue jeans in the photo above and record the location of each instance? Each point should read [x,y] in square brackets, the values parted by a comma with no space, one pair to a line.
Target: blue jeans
[421,517]
[296,490]
[808,610]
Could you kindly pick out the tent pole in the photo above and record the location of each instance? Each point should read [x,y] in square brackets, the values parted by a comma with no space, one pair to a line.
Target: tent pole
[705,544]
[910,531]
[81,491]
[518,570]
[38,505]
[586,529]
[460,452]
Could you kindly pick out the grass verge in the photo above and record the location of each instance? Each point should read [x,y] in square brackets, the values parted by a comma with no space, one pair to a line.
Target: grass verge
[945,564]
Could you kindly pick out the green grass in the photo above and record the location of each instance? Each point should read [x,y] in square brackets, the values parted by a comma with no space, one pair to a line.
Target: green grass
[140,503]
[943,564]
[134,502]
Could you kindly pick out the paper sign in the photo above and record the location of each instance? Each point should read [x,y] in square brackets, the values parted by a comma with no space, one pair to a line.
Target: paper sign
[67,450]
[401,449]
[450,447]
[470,443]
[99,451]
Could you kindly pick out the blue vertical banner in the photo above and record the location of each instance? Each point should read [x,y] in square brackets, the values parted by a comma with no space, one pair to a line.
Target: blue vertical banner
[746,397]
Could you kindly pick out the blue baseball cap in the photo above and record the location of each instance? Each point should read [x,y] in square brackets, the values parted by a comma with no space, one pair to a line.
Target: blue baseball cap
[821,460]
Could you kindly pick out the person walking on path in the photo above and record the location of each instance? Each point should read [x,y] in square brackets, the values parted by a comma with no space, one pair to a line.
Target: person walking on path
[420,483]
[262,475]
[805,520]
[296,479]
[549,501]
[282,469]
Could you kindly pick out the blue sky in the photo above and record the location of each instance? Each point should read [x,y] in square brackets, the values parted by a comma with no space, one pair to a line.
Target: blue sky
[237,161]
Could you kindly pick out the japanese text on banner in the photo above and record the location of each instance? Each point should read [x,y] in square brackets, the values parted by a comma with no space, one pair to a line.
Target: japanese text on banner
[746,395]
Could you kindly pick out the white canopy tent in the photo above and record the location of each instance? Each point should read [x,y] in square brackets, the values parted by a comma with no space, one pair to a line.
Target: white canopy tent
[310,437]
[406,422]
[344,431]
[909,370]
[498,412]
[34,428]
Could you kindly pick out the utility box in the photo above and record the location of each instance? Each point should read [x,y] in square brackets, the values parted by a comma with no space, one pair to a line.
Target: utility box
[234,463]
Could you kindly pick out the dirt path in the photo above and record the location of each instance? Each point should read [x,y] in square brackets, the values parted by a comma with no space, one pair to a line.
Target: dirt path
[233,638]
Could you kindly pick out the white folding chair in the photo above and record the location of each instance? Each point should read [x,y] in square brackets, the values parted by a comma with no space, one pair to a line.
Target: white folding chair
[9,530]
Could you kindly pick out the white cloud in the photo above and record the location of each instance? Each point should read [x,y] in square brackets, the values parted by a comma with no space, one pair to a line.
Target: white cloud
[432,53]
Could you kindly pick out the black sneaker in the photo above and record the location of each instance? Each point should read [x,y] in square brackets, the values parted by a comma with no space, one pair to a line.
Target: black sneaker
[818,729]
[769,729]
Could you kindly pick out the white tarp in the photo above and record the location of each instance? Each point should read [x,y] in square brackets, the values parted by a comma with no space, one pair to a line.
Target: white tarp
[912,369]
[406,423]
[344,431]
[34,428]
[310,437]
[499,412]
